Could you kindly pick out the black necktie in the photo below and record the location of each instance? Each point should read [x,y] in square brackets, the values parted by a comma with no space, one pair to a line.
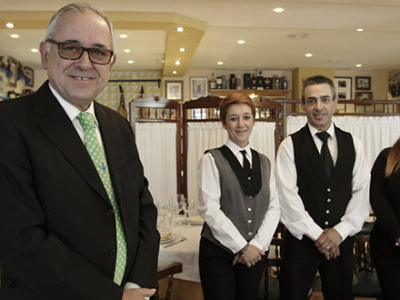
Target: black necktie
[246,164]
[325,154]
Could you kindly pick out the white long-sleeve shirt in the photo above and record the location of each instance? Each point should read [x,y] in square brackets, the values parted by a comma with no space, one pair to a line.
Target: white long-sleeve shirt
[209,205]
[294,216]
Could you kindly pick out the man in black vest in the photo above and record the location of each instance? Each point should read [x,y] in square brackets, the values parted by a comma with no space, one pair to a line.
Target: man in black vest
[323,184]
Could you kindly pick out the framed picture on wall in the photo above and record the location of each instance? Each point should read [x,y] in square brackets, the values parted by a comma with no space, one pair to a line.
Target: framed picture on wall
[174,90]
[12,80]
[363,83]
[198,87]
[363,95]
[28,73]
[343,87]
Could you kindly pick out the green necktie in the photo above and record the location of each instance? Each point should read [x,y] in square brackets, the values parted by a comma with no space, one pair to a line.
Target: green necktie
[98,158]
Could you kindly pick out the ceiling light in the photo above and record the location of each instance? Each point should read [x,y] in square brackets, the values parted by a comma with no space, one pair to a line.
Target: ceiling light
[278,9]
[182,49]
[15,36]
[130,61]
[220,62]
[359,65]
[127,50]
[174,72]
[177,62]
[179,29]
[360,29]
[10,25]
[241,42]
[123,36]
[309,54]
[298,36]
[34,50]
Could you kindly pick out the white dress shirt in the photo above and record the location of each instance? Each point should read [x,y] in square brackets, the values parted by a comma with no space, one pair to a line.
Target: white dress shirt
[294,216]
[209,205]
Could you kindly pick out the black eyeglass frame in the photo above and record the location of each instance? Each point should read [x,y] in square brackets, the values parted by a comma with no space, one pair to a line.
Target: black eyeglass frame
[59,44]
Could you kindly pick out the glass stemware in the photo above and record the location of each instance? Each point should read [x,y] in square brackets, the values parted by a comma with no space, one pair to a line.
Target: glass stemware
[188,207]
[178,203]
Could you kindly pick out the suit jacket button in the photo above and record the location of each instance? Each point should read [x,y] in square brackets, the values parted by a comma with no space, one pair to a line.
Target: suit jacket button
[110,212]
[113,253]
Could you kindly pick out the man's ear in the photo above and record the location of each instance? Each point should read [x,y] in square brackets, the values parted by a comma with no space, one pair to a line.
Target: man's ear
[43,55]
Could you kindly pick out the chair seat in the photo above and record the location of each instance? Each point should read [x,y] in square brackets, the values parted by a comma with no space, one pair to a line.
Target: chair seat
[366,285]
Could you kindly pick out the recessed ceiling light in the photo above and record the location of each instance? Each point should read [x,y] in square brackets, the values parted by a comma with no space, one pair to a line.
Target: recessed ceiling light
[241,42]
[297,36]
[179,29]
[359,65]
[130,61]
[123,36]
[10,25]
[182,49]
[177,62]
[34,50]
[15,36]
[174,72]
[309,54]
[127,50]
[278,9]
[220,62]
[360,29]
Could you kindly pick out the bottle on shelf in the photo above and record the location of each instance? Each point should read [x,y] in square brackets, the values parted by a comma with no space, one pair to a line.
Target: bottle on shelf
[224,83]
[238,82]
[247,81]
[253,82]
[285,83]
[232,82]
[267,83]
[219,82]
[260,81]
[213,82]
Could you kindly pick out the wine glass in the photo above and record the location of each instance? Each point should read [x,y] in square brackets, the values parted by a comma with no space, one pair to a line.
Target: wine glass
[188,207]
[178,203]
[161,207]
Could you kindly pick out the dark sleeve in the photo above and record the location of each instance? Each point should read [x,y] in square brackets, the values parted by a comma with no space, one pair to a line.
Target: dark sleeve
[379,197]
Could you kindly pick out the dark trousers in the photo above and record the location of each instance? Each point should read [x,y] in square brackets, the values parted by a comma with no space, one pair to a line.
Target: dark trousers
[222,281]
[300,262]
[386,257]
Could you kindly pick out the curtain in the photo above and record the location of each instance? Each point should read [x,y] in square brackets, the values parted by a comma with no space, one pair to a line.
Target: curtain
[208,135]
[156,144]
[376,133]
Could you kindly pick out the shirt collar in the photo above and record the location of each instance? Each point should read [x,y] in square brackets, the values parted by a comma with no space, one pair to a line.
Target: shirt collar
[314,131]
[71,110]
[235,148]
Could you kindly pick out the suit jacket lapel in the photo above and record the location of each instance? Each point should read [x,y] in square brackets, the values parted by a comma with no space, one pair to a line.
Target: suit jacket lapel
[60,130]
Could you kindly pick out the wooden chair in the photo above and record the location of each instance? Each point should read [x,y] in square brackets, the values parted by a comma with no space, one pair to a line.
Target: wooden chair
[167,271]
[365,280]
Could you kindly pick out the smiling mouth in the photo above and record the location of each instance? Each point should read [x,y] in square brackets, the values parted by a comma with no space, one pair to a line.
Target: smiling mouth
[81,78]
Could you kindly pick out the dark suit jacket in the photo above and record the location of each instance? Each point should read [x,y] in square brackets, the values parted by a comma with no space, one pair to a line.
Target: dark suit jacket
[57,229]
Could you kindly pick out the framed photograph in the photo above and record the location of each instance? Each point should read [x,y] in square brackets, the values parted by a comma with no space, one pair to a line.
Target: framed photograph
[174,90]
[343,87]
[12,80]
[28,73]
[363,83]
[363,95]
[198,87]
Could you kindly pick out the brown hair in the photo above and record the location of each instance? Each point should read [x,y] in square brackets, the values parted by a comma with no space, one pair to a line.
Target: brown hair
[393,161]
[235,98]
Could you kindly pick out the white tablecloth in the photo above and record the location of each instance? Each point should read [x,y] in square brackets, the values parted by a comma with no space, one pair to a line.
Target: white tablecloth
[186,252]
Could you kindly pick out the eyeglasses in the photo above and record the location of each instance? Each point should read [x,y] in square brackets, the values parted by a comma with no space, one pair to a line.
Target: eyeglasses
[74,51]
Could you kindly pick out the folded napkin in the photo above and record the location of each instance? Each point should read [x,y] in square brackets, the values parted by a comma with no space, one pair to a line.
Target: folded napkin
[197,219]
[165,235]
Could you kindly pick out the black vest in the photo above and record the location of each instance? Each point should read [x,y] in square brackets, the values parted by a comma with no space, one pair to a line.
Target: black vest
[324,199]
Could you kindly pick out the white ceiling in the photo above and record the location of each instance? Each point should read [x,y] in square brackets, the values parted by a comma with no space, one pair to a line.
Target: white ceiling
[331,25]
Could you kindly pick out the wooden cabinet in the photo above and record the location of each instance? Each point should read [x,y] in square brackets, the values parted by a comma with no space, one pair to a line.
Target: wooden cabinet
[281,94]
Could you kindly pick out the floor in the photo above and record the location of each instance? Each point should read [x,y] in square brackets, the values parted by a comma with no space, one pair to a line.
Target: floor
[318,296]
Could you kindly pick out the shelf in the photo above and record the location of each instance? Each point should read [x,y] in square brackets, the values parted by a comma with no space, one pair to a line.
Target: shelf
[260,93]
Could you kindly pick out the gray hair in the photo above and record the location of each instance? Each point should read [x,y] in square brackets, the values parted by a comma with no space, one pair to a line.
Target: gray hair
[319,79]
[77,8]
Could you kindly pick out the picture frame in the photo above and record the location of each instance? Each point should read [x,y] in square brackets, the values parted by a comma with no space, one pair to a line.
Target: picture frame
[364,96]
[363,83]
[198,87]
[12,80]
[343,87]
[29,74]
[174,90]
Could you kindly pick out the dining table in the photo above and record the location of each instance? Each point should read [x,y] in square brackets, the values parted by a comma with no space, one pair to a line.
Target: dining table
[186,284]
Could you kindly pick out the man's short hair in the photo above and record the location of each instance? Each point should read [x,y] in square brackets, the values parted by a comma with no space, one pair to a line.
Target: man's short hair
[319,79]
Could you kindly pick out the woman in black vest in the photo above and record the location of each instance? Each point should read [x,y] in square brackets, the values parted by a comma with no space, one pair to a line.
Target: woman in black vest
[385,236]
[238,201]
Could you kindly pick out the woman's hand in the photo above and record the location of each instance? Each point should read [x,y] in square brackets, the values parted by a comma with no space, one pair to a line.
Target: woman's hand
[250,257]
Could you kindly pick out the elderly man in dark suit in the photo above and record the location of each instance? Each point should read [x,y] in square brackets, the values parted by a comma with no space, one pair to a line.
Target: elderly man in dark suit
[77,220]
